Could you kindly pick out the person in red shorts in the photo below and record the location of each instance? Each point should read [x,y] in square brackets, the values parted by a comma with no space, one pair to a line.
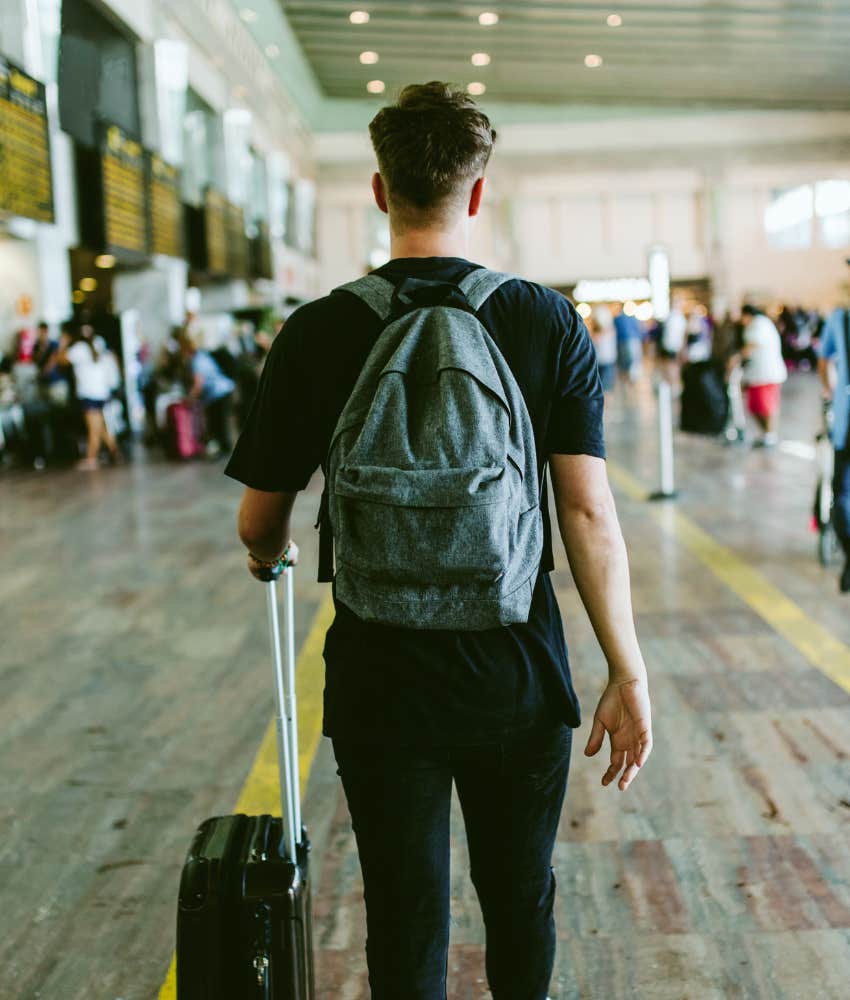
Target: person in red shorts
[764,373]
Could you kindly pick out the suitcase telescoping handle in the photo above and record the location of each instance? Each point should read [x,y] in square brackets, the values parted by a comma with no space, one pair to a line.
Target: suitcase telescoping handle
[285,711]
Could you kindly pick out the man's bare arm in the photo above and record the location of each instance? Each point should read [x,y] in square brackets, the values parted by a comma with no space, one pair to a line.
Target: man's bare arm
[594,544]
[264,525]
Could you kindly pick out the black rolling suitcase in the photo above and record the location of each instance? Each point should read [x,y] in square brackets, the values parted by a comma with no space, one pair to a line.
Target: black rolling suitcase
[705,401]
[243,922]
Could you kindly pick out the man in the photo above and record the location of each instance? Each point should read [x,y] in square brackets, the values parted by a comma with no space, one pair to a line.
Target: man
[834,369]
[410,711]
[764,373]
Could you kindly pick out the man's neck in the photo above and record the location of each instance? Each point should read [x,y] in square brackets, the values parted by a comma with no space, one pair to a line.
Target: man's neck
[430,243]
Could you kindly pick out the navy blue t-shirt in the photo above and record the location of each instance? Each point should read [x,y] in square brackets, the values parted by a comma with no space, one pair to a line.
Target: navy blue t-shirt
[416,687]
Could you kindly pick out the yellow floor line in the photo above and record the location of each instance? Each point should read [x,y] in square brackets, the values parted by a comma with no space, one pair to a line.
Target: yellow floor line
[819,646]
[261,791]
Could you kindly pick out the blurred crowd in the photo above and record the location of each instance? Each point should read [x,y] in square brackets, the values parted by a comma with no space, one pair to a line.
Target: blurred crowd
[66,396]
[721,367]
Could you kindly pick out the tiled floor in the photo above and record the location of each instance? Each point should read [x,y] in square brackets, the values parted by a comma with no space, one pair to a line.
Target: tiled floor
[133,695]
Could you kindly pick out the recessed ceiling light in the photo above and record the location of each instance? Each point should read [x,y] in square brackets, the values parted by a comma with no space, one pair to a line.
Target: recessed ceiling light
[369,58]
[480,59]
[476,89]
[614,21]
[593,61]
[488,18]
[359,17]
[248,15]
[272,51]
[376,86]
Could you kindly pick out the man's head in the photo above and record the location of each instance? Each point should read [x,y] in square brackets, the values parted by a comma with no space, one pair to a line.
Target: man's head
[432,146]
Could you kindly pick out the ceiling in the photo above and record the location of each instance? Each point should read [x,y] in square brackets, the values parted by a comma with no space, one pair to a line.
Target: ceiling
[705,53]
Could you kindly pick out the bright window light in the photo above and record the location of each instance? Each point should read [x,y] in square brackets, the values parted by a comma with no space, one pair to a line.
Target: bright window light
[369,58]
[832,198]
[488,19]
[359,17]
[476,89]
[480,59]
[789,208]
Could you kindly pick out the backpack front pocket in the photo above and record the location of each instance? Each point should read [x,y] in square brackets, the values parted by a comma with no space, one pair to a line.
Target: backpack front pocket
[421,526]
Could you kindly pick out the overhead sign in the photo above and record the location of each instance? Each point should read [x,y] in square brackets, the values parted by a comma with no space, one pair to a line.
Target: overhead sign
[26,186]
[165,207]
[124,211]
[237,242]
[216,234]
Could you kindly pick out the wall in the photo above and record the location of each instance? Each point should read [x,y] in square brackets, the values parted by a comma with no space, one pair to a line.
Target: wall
[589,200]
[19,267]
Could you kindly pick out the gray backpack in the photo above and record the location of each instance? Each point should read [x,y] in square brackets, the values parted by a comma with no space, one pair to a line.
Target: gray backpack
[433,495]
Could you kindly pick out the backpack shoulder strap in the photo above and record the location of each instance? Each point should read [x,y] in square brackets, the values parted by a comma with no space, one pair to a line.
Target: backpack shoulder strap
[375,291]
[480,284]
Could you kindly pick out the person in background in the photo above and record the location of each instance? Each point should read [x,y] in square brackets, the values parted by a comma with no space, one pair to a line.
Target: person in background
[94,375]
[834,369]
[671,342]
[764,372]
[698,337]
[604,335]
[629,344]
[52,377]
[213,390]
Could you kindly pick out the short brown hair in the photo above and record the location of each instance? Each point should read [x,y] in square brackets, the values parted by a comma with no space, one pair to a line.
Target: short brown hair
[431,144]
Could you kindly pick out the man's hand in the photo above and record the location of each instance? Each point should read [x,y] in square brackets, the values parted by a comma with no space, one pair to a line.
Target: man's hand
[624,713]
[264,573]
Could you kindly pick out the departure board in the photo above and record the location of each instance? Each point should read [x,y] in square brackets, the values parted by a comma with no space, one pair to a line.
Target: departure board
[123,170]
[215,221]
[261,252]
[26,186]
[166,210]
[237,242]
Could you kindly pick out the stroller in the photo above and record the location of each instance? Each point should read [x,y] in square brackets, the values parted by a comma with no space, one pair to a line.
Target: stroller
[822,513]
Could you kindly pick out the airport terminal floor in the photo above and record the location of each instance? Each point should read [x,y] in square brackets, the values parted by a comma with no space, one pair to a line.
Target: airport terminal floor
[135,701]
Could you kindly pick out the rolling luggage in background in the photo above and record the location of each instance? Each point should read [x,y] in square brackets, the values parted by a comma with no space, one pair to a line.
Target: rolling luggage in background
[184,430]
[243,923]
[705,402]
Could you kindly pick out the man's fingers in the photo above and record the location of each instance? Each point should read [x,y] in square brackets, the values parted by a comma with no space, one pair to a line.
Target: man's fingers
[597,735]
[617,759]
[628,776]
[645,749]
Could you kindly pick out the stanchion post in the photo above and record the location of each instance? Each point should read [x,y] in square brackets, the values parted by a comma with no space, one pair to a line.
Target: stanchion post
[666,465]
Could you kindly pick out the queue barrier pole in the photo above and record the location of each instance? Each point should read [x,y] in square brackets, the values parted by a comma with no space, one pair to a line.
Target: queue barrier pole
[666,463]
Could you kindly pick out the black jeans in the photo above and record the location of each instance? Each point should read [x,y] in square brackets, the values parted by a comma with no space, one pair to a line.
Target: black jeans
[511,795]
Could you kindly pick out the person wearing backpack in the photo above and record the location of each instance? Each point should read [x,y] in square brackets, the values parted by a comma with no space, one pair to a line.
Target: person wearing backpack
[834,369]
[433,394]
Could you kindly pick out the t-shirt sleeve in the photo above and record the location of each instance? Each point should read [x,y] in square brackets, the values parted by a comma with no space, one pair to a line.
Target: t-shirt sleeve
[575,421]
[278,450]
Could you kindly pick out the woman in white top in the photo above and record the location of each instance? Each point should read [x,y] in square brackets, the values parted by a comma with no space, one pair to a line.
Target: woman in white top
[94,375]
[764,372]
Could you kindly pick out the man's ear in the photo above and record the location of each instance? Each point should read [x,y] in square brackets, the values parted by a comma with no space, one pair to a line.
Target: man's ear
[476,195]
[380,193]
